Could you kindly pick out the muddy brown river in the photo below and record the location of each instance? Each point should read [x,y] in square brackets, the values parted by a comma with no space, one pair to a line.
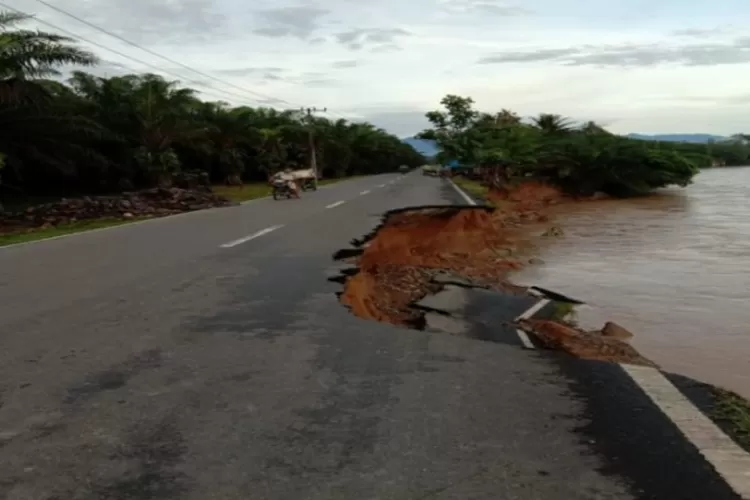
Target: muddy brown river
[674,268]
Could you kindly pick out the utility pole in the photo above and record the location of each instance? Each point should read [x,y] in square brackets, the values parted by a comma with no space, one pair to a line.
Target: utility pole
[307,116]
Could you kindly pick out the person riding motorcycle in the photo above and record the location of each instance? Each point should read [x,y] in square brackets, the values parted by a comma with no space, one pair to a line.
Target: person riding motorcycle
[285,177]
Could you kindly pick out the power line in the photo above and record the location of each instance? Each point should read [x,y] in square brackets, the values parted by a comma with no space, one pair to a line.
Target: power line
[156,54]
[265,98]
[134,59]
[168,59]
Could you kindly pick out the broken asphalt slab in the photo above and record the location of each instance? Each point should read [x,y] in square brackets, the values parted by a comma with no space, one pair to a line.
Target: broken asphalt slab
[478,313]
[481,305]
[554,295]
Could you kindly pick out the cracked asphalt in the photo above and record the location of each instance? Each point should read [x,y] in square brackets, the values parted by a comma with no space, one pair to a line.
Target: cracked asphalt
[148,362]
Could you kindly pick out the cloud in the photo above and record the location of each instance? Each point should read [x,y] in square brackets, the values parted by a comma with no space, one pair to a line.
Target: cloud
[559,56]
[400,122]
[147,21]
[528,56]
[346,64]
[320,82]
[492,7]
[300,21]
[704,32]
[630,55]
[250,71]
[372,38]
[260,75]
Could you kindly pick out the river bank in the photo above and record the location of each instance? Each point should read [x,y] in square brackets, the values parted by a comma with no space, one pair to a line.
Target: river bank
[397,264]
[403,260]
[670,267]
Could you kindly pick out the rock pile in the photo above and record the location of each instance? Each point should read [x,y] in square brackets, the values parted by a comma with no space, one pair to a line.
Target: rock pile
[155,202]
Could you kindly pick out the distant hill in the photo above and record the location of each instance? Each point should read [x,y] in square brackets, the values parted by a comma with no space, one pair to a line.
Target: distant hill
[694,138]
[423,146]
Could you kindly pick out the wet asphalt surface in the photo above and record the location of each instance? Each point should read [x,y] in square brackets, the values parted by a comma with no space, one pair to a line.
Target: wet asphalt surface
[147,362]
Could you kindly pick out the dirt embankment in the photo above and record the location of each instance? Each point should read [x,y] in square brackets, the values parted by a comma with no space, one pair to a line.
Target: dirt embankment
[481,244]
[148,203]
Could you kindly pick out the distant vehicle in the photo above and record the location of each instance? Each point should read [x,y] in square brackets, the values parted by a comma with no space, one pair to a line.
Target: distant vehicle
[431,170]
[403,169]
[307,179]
[281,189]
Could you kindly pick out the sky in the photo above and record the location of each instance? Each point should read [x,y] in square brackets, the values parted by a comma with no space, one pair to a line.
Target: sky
[646,66]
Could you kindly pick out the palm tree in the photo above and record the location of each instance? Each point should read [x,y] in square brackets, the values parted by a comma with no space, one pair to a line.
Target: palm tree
[34,128]
[150,115]
[27,55]
[552,124]
[593,128]
[229,132]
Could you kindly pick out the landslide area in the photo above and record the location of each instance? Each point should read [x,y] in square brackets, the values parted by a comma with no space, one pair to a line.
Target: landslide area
[397,262]
[480,243]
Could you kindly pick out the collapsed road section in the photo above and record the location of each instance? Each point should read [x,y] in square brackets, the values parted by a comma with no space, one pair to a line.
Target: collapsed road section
[445,269]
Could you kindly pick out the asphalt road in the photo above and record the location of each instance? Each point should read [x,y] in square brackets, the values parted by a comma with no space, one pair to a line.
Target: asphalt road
[151,362]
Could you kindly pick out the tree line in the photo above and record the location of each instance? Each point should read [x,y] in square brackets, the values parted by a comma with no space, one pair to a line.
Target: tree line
[94,134]
[731,152]
[581,159]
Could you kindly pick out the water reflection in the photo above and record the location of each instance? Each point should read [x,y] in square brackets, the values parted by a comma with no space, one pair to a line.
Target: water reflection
[673,267]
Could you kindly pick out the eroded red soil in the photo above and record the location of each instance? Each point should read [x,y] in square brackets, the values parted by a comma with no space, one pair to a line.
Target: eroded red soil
[480,244]
[477,243]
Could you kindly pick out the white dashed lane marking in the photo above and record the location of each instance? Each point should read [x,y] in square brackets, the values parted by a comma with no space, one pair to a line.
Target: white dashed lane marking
[258,234]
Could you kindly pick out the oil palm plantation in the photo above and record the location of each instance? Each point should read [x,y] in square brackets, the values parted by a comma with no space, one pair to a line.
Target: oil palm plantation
[92,133]
[38,131]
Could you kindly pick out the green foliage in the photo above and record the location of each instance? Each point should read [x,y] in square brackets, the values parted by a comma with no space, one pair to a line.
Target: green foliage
[28,54]
[98,134]
[582,160]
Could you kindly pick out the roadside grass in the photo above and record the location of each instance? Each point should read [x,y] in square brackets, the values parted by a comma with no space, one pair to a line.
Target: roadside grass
[242,193]
[63,229]
[734,411]
[564,312]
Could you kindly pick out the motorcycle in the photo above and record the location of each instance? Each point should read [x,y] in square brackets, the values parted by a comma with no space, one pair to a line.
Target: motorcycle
[309,184]
[282,190]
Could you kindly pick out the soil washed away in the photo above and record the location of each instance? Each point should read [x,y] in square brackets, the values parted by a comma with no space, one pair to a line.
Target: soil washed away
[399,262]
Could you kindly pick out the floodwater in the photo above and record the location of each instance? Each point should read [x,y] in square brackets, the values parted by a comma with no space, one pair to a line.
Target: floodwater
[673,268]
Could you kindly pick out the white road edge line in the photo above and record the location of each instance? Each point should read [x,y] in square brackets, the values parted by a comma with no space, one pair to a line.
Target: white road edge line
[533,309]
[367,191]
[463,194]
[730,461]
[257,234]
[381,185]
[334,205]
[525,340]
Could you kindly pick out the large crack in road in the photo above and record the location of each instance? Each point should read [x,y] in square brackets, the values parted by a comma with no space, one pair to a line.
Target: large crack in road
[445,269]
